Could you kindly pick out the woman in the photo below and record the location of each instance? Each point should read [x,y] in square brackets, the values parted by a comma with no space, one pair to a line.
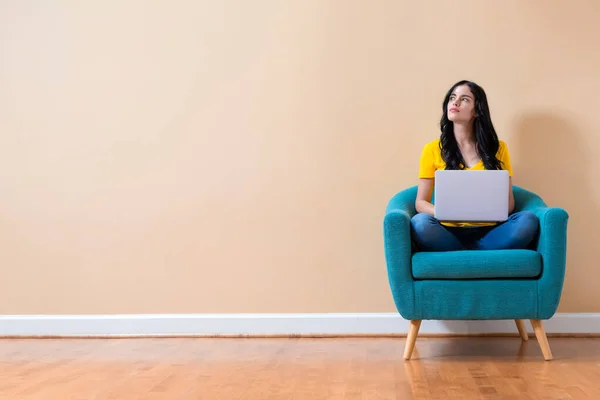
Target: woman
[468,141]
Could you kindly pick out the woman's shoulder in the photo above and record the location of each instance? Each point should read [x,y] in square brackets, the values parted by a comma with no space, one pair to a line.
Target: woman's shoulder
[431,152]
[431,159]
[433,145]
[502,147]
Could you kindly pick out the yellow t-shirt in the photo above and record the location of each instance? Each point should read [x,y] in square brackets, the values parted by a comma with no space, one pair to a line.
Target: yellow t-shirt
[431,161]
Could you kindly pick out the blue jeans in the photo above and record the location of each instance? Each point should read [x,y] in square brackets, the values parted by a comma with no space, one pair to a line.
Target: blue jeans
[517,232]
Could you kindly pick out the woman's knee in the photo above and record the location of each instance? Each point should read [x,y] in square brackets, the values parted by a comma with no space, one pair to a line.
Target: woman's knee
[422,222]
[527,223]
[430,235]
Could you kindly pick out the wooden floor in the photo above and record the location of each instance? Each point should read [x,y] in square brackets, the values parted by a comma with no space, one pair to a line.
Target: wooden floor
[351,368]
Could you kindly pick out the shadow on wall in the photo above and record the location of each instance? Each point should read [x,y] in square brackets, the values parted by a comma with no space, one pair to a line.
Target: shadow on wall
[550,158]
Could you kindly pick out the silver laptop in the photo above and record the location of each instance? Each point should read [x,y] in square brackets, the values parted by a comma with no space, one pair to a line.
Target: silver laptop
[471,195]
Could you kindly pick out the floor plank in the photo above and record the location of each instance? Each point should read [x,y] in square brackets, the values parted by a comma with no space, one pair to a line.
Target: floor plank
[328,368]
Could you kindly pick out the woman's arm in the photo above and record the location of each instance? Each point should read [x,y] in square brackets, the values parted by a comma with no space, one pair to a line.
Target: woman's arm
[424,192]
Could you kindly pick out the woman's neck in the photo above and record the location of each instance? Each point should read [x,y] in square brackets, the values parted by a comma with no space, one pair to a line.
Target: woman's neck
[464,134]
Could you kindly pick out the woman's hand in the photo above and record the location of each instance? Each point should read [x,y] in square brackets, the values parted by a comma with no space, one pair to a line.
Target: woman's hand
[424,192]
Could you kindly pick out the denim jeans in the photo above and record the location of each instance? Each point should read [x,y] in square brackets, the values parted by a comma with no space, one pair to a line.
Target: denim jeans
[517,232]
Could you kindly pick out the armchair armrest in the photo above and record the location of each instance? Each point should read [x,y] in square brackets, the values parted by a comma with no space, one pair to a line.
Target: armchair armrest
[398,250]
[552,245]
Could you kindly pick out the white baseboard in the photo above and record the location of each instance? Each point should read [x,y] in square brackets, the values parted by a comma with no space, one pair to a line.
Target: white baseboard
[271,325]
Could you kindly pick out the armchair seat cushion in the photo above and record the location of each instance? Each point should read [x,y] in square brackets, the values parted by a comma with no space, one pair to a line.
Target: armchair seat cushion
[477,264]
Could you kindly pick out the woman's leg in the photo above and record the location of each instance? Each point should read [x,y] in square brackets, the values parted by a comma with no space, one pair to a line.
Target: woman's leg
[430,235]
[516,233]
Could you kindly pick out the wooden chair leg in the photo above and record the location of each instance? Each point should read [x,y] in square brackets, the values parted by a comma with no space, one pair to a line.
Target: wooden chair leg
[413,331]
[540,334]
[522,331]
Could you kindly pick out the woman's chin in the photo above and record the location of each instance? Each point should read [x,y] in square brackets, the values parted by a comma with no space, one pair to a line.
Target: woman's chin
[457,120]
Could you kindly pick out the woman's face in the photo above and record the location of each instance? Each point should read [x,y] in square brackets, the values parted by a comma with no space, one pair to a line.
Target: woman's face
[461,105]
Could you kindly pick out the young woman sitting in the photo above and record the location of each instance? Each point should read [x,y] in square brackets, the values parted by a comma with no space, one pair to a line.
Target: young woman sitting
[468,141]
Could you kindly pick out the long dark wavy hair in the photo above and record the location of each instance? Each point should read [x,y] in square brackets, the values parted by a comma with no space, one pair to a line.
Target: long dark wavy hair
[485,134]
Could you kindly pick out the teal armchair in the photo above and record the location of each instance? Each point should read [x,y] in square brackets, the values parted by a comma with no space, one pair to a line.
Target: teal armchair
[477,284]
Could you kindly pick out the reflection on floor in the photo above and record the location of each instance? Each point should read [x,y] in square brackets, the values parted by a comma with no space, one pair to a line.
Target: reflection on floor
[336,368]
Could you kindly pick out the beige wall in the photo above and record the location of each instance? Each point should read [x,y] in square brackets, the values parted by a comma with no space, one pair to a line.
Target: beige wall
[233,156]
